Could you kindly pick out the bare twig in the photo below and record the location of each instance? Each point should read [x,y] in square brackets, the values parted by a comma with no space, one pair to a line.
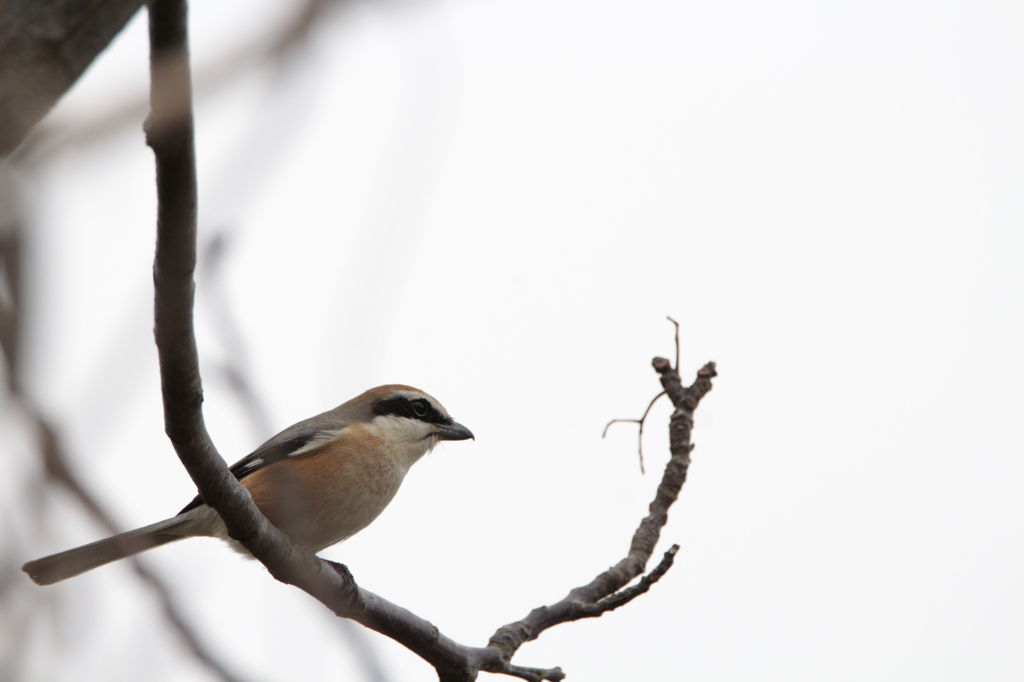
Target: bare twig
[640,434]
[643,419]
[677,340]
[583,600]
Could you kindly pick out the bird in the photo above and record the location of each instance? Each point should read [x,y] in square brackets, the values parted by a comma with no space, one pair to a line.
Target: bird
[321,480]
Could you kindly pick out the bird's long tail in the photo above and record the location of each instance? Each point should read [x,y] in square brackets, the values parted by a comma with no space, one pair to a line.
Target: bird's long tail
[64,565]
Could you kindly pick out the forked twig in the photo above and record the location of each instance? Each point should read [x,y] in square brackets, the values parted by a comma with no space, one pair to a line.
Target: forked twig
[13,309]
[605,592]
[640,435]
[641,420]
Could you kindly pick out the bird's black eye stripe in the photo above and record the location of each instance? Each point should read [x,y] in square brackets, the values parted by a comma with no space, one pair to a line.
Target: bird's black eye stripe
[413,408]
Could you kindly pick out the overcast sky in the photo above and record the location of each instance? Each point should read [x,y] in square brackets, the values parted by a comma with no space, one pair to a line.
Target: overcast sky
[500,202]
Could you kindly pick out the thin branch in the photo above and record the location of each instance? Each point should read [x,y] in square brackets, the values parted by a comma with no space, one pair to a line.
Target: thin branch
[627,595]
[56,467]
[534,674]
[235,370]
[233,365]
[640,434]
[677,341]
[643,419]
[509,638]
[55,461]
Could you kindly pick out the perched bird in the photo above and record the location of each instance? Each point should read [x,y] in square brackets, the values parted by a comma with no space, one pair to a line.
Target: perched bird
[321,480]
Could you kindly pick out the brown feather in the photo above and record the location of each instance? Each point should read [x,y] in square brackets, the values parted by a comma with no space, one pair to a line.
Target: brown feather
[328,494]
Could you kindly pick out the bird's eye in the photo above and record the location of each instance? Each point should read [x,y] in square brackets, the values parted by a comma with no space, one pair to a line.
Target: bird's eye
[419,408]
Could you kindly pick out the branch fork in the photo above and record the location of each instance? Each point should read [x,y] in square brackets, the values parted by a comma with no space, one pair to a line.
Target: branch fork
[170,134]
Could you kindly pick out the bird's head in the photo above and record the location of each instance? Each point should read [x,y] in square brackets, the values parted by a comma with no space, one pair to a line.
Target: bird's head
[409,419]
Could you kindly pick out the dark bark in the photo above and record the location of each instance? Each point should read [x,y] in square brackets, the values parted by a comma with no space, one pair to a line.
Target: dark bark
[45,45]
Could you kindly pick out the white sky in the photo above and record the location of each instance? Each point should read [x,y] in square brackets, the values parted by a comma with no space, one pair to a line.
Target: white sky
[500,202]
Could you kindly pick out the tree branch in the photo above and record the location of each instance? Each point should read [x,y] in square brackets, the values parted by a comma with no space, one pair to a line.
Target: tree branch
[56,467]
[55,461]
[260,52]
[169,133]
[584,601]
[640,431]
[44,48]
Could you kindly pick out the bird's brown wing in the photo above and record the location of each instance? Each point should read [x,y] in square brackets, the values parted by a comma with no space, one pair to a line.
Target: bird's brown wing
[270,452]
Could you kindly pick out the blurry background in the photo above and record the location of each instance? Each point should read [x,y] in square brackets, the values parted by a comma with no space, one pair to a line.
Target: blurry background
[499,202]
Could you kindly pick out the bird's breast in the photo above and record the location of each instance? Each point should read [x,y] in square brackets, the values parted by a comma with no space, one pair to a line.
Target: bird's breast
[326,495]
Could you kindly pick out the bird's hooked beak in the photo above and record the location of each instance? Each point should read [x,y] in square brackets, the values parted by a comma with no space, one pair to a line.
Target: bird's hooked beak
[453,431]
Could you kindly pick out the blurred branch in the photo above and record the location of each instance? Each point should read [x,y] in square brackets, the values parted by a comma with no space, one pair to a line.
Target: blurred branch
[44,48]
[233,365]
[54,459]
[366,655]
[235,370]
[56,468]
[48,138]
[11,255]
